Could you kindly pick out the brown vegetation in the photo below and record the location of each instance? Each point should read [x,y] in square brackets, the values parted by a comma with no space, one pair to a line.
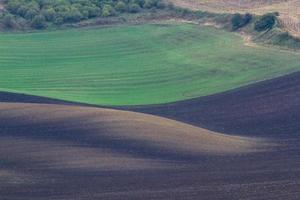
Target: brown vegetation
[289,9]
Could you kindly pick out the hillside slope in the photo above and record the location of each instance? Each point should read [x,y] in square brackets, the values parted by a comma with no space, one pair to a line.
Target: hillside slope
[288,9]
[266,108]
[109,154]
[135,65]
[61,152]
[238,5]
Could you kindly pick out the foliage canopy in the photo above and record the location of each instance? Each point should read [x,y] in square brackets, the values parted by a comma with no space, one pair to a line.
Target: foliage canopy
[266,22]
[40,13]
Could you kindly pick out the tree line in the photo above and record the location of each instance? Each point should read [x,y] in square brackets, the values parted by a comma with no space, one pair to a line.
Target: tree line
[262,23]
[41,13]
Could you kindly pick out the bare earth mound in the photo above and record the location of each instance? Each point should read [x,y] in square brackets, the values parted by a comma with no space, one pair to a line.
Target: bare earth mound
[62,152]
[72,152]
[266,109]
[269,109]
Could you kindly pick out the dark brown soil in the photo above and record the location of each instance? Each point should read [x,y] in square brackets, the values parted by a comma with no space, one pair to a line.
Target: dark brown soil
[76,152]
[25,98]
[266,108]
[72,152]
[269,108]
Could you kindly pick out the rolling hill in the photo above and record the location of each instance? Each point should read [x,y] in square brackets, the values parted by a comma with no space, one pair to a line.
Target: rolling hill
[133,65]
[109,154]
[151,111]
[267,108]
[90,153]
[57,151]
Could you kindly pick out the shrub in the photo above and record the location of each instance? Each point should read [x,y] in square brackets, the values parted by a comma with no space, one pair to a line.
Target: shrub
[183,12]
[266,22]
[30,14]
[161,5]
[73,15]
[13,6]
[120,6]
[238,21]
[138,2]
[49,14]
[9,21]
[62,11]
[58,20]
[201,14]
[149,4]
[134,8]
[107,10]
[39,22]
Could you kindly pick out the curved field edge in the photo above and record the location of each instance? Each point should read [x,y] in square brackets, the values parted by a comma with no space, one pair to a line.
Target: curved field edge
[135,65]
[107,125]
[267,109]
[73,150]
[264,109]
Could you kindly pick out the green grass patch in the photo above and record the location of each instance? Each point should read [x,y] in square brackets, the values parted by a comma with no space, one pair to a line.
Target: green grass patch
[127,65]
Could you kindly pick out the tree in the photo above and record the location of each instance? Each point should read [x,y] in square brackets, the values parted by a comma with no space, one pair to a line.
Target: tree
[49,14]
[73,15]
[13,6]
[161,5]
[30,14]
[266,22]
[9,21]
[94,11]
[134,8]
[120,6]
[58,20]
[107,10]
[39,22]
[149,4]
[239,21]
[40,13]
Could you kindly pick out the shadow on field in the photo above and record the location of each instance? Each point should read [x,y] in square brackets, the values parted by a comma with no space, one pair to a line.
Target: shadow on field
[268,108]
[51,151]
[73,152]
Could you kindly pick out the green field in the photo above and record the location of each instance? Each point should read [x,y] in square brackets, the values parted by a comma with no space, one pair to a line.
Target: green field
[126,65]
